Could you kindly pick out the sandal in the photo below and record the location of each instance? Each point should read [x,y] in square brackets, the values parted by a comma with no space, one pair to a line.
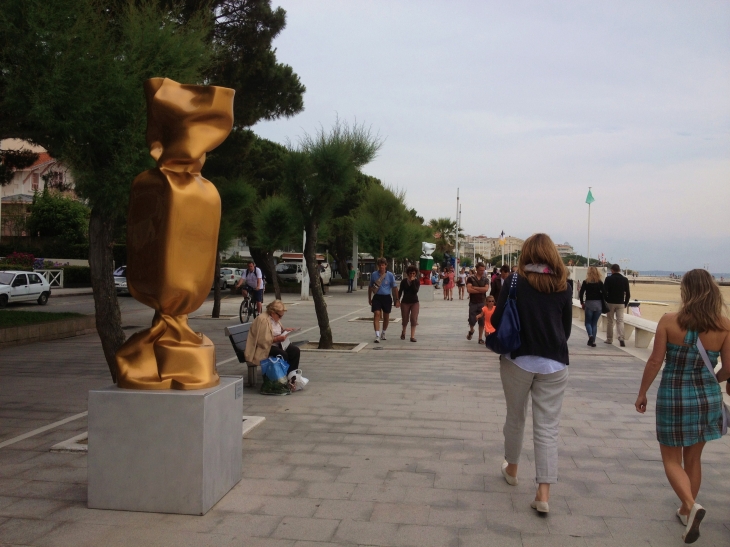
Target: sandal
[413,339]
[403,336]
[469,334]
[481,341]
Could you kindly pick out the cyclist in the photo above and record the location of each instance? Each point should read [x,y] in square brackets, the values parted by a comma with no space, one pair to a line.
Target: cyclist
[254,284]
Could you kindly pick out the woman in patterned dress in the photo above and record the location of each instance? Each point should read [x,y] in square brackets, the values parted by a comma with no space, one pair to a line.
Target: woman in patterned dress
[689,400]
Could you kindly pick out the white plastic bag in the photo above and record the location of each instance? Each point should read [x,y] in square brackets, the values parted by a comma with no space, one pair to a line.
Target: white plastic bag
[296,380]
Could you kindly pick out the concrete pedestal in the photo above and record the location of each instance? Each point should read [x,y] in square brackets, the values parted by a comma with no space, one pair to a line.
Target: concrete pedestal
[425,293]
[164,451]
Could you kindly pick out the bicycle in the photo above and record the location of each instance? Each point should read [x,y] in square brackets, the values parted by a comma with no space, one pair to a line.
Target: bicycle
[248,309]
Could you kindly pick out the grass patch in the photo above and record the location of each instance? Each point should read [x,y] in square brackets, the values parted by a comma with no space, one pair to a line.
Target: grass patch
[9,318]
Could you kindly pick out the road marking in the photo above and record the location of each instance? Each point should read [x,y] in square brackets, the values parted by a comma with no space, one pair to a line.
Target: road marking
[77,416]
[41,430]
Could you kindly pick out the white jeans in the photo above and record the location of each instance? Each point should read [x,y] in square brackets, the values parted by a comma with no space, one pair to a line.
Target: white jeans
[547,401]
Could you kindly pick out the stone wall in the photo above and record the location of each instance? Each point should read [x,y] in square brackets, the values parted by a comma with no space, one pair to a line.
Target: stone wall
[42,332]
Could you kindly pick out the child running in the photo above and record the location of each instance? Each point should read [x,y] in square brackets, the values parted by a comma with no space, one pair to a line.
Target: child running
[487,312]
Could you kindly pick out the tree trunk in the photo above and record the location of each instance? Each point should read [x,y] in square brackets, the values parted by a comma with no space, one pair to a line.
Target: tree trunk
[320,307]
[274,276]
[216,287]
[101,262]
[382,245]
[341,249]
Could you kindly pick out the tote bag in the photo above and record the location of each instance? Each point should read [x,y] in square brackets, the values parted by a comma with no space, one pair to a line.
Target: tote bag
[506,338]
[706,359]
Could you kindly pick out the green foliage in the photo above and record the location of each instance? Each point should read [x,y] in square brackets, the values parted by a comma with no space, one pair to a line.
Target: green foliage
[465,261]
[325,167]
[55,215]
[77,276]
[236,197]
[86,71]
[443,230]
[274,224]
[10,160]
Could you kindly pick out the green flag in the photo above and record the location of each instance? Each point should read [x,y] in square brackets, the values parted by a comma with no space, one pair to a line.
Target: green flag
[589,198]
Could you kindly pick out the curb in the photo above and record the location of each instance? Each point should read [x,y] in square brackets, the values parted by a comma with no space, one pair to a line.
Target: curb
[43,332]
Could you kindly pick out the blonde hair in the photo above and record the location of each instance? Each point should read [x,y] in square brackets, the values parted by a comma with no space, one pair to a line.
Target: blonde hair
[702,303]
[540,249]
[276,306]
[593,275]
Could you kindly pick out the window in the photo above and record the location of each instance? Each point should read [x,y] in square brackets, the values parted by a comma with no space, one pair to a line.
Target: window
[34,279]
[20,280]
[35,181]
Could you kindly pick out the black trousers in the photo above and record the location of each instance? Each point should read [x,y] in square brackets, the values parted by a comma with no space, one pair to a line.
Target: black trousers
[290,355]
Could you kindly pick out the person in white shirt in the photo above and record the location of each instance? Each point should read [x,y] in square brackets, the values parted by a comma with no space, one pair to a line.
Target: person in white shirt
[254,283]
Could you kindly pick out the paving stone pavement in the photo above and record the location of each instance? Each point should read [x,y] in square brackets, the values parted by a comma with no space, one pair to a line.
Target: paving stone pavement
[399,444]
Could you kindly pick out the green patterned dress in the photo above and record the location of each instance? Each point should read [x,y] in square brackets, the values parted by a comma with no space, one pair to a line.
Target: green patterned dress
[689,400]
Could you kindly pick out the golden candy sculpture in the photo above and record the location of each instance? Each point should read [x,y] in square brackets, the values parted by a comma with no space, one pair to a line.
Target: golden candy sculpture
[172,236]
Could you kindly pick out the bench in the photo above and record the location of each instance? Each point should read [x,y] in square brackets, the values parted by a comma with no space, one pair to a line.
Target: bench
[238,334]
[645,329]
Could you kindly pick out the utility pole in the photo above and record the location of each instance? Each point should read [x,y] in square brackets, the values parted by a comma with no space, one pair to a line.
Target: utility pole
[456,235]
[305,274]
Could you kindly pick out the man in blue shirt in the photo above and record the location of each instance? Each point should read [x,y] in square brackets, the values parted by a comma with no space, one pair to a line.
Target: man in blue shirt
[381,294]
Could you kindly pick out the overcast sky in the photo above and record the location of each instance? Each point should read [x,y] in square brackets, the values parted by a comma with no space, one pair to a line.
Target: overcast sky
[524,105]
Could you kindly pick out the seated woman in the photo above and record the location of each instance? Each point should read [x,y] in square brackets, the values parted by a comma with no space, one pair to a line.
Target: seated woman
[267,335]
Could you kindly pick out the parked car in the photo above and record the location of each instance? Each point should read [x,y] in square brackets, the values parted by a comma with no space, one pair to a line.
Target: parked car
[16,286]
[292,272]
[230,276]
[120,280]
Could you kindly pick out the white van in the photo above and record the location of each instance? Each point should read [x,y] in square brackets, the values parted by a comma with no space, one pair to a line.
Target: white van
[292,272]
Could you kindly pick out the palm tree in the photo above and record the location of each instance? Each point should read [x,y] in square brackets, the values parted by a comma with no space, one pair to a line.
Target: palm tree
[443,230]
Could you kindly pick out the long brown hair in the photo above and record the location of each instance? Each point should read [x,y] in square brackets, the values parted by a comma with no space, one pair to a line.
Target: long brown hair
[540,249]
[702,303]
[593,276]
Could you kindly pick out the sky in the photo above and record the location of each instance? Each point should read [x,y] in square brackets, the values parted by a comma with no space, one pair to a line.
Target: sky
[525,105]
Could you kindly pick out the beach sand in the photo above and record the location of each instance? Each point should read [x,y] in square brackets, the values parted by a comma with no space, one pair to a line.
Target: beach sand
[668,294]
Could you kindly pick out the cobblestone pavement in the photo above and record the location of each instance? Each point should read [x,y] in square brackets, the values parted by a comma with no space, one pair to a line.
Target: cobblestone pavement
[399,444]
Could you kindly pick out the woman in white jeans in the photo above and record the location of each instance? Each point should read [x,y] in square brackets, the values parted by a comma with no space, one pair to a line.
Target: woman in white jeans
[540,365]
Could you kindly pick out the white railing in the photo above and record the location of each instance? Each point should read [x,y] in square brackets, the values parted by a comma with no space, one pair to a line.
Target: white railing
[54,277]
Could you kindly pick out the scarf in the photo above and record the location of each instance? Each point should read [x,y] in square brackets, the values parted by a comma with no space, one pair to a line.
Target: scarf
[538,268]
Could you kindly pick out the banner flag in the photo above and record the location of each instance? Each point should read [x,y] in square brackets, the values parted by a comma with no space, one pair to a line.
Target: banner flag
[589,198]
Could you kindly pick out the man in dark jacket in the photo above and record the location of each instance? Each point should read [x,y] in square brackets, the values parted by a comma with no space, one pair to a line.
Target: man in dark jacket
[617,298]
[499,281]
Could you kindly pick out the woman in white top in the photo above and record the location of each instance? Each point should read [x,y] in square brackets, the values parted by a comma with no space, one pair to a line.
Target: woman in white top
[267,335]
[461,283]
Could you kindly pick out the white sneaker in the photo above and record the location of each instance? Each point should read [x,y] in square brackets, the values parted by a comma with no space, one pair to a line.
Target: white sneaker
[377,340]
[382,336]
[692,531]
[682,518]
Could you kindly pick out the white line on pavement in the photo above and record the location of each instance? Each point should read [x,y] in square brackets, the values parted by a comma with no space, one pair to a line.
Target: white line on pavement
[41,430]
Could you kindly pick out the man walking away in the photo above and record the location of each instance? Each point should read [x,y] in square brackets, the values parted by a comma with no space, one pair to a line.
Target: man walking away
[381,294]
[477,285]
[617,298]
[351,272]
[498,281]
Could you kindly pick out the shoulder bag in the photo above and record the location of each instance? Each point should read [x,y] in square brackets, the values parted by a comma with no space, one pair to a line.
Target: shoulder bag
[506,338]
[706,359]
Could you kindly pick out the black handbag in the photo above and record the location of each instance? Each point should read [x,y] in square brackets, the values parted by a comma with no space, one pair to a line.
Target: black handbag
[506,338]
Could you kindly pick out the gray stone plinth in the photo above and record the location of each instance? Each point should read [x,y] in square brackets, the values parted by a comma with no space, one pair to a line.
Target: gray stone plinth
[164,451]
[425,293]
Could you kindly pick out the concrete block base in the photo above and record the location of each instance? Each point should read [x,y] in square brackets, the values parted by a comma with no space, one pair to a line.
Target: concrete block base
[425,293]
[164,451]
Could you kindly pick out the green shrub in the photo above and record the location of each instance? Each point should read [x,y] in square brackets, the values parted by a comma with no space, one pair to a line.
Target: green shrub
[76,276]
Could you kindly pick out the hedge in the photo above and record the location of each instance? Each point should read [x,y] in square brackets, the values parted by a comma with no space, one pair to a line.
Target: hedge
[76,276]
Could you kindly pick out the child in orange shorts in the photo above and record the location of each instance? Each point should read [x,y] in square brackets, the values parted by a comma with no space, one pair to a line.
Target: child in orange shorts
[487,312]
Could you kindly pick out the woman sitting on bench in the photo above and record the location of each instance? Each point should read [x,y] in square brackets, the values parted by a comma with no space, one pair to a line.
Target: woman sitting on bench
[267,338]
